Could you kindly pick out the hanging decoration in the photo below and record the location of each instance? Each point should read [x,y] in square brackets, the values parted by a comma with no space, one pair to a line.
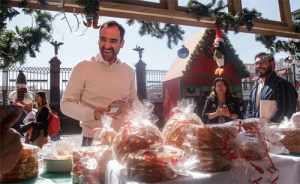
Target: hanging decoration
[183,52]
[64,18]
[215,10]
[220,54]
[90,10]
[206,44]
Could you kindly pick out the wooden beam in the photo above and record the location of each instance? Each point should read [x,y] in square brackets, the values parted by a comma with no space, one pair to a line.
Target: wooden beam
[285,12]
[172,4]
[147,13]
[235,7]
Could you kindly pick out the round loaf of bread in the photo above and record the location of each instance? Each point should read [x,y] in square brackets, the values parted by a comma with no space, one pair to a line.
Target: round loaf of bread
[131,139]
[174,131]
[118,108]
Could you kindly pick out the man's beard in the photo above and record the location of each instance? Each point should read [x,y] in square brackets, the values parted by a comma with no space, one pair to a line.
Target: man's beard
[113,56]
[268,71]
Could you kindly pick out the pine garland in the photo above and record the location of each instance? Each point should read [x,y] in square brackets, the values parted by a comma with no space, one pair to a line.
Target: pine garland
[245,18]
[171,31]
[271,43]
[90,7]
[205,45]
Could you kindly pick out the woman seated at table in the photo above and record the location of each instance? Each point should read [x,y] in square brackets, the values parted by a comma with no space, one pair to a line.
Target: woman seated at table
[221,107]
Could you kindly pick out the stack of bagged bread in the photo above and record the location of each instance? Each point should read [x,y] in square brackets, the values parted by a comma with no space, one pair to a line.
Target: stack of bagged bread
[212,144]
[174,131]
[27,166]
[89,164]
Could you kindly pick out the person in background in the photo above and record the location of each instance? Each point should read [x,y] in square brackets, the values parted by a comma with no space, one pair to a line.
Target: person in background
[98,81]
[271,87]
[30,116]
[202,103]
[54,111]
[10,142]
[42,117]
[221,107]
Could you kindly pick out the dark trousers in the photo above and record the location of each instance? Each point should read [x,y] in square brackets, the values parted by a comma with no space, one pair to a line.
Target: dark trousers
[89,141]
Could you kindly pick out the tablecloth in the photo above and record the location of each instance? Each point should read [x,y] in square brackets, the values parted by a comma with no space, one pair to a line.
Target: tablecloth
[288,166]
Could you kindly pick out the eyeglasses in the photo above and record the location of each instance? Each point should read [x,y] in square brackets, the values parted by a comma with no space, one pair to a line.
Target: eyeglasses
[220,86]
[260,62]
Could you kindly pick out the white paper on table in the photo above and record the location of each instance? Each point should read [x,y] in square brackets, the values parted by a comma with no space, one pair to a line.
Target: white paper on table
[268,108]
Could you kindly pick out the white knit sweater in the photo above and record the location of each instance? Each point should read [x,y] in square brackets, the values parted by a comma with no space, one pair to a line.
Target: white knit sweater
[94,83]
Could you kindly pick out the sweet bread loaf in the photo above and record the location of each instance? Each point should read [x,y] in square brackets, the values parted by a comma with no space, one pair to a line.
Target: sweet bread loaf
[27,166]
[118,108]
[89,163]
[153,166]
[105,136]
[131,139]
[174,131]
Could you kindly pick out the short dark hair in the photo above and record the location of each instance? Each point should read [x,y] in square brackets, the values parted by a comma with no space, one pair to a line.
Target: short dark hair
[206,93]
[111,23]
[214,93]
[271,58]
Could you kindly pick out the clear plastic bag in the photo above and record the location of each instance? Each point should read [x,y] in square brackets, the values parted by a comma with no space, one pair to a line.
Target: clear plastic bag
[158,164]
[62,149]
[175,129]
[26,167]
[295,119]
[138,131]
[89,164]
[118,108]
[106,134]
[212,145]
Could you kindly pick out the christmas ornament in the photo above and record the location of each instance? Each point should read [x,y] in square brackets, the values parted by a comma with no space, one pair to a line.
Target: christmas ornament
[220,54]
[298,84]
[21,96]
[183,52]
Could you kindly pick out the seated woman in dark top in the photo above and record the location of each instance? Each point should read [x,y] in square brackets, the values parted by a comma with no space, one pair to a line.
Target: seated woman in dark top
[221,107]
[41,116]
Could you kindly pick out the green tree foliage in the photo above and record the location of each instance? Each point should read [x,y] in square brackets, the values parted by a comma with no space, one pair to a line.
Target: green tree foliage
[16,44]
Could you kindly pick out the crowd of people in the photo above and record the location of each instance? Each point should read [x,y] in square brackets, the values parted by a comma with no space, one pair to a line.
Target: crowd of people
[103,78]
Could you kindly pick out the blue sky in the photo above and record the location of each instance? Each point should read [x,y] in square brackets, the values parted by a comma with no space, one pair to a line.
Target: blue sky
[156,55]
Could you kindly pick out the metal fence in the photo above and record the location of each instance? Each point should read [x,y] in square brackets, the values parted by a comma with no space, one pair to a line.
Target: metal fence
[154,85]
[38,78]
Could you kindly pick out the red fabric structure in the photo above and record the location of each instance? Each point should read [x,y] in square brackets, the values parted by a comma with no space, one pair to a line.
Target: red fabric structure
[201,72]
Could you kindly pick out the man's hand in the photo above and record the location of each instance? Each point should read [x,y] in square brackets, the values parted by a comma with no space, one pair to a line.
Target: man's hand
[10,145]
[99,112]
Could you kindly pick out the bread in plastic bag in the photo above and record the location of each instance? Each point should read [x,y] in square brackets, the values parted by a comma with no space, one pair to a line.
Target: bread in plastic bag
[27,166]
[174,130]
[138,131]
[106,134]
[89,164]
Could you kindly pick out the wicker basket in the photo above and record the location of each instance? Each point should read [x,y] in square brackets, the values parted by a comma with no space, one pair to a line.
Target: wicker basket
[291,141]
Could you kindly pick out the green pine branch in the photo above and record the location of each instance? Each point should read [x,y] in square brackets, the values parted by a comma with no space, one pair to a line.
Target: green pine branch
[15,45]
[271,43]
[174,33]
[213,9]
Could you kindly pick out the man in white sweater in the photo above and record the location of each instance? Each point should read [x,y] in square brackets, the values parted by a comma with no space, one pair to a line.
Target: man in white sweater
[99,80]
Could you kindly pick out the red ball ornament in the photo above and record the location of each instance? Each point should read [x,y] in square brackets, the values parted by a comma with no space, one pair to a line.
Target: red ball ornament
[298,84]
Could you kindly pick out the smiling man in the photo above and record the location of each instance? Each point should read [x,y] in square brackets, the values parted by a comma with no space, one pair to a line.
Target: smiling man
[98,81]
[271,87]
